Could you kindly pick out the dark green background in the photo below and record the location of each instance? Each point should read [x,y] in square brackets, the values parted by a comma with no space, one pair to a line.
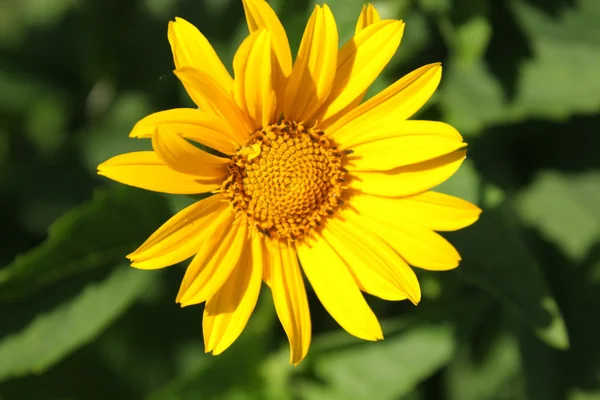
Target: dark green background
[517,320]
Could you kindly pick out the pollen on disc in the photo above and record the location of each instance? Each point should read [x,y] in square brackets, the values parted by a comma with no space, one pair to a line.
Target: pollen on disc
[286,180]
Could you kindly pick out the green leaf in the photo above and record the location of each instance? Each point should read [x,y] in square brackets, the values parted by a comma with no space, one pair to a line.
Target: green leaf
[99,233]
[235,374]
[471,98]
[555,81]
[567,54]
[435,7]
[566,209]
[53,335]
[497,260]
[385,370]
[575,283]
[108,136]
[580,394]
[465,183]
[489,378]
[542,367]
[472,39]
[466,29]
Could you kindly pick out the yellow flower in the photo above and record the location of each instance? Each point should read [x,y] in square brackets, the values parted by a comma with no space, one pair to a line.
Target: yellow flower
[305,176]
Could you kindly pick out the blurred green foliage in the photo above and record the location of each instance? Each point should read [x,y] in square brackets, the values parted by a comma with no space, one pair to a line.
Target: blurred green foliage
[517,320]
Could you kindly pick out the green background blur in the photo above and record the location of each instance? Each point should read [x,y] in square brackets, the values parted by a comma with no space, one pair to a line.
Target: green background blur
[519,319]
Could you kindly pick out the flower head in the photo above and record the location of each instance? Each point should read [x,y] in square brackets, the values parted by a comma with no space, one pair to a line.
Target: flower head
[306,177]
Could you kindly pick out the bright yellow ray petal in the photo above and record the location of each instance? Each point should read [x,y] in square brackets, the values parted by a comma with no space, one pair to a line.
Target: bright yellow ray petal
[390,153]
[208,242]
[182,156]
[220,101]
[397,102]
[314,70]
[289,297]
[267,273]
[145,170]
[260,15]
[240,60]
[410,179]
[253,88]
[394,129]
[193,124]
[368,16]
[436,211]
[227,312]
[181,236]
[209,270]
[259,248]
[359,63]
[419,246]
[336,289]
[191,49]
[376,268]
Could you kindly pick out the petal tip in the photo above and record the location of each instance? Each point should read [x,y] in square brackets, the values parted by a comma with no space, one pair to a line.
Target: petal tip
[296,359]
[415,299]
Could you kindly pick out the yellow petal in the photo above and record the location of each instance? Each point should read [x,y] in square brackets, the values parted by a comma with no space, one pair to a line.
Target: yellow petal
[182,156]
[260,254]
[240,60]
[260,15]
[419,246]
[213,264]
[289,296]
[436,211]
[253,89]
[181,236]
[220,101]
[260,248]
[227,312]
[396,103]
[192,124]
[377,269]
[336,289]
[208,240]
[368,16]
[394,152]
[398,128]
[359,63]
[410,179]
[314,70]
[145,170]
[191,49]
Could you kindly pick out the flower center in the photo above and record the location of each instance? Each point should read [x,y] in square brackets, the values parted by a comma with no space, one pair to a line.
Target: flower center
[286,180]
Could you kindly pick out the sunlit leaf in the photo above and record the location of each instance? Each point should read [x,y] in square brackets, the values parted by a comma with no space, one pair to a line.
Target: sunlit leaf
[385,370]
[555,81]
[566,208]
[54,334]
[99,233]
